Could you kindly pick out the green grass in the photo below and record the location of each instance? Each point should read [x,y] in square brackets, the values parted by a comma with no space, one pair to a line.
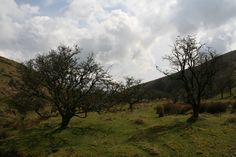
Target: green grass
[118,134]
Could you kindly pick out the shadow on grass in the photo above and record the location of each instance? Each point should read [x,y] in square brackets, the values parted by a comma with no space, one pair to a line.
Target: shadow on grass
[9,153]
[90,131]
[158,130]
[32,140]
[47,140]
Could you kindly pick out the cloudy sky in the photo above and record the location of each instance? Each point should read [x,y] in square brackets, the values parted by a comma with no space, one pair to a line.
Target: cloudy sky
[131,36]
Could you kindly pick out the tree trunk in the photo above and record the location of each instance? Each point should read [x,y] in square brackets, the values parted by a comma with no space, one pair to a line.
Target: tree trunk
[131,107]
[222,94]
[64,121]
[195,115]
[230,91]
[196,112]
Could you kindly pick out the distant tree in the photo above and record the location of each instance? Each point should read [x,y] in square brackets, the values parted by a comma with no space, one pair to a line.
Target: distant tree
[151,95]
[230,84]
[74,86]
[194,65]
[132,92]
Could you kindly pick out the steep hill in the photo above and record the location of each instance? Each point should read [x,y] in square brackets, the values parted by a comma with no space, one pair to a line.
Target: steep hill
[8,71]
[225,77]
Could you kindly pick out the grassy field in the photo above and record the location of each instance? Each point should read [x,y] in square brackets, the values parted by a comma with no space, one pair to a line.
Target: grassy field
[126,134]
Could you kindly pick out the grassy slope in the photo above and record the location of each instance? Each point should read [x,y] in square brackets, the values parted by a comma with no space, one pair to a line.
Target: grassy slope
[118,135]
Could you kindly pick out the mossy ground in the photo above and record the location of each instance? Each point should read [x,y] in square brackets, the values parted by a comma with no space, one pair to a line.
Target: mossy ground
[125,134]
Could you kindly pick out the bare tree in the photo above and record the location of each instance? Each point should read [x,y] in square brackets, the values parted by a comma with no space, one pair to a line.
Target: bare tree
[194,65]
[73,86]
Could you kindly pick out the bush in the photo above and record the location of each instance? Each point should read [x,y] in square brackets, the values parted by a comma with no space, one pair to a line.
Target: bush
[213,107]
[170,108]
[3,134]
[233,107]
[184,108]
[160,110]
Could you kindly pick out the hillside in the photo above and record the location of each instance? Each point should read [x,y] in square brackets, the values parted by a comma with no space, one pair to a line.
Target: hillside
[226,64]
[119,133]
[162,86]
[8,71]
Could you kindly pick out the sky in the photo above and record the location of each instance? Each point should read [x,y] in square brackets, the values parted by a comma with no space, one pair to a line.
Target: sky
[128,36]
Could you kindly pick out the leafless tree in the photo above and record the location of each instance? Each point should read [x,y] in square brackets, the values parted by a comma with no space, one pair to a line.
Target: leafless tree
[193,63]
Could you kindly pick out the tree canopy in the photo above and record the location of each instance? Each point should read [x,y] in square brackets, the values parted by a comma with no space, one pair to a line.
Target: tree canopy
[194,64]
[73,85]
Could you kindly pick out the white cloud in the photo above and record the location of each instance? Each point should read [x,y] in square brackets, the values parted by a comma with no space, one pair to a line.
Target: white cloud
[132,36]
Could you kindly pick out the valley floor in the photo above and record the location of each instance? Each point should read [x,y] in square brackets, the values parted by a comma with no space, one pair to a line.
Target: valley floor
[125,134]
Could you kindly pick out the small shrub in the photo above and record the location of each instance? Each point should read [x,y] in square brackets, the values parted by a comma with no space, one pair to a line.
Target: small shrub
[169,108]
[138,121]
[3,134]
[160,110]
[184,108]
[233,107]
